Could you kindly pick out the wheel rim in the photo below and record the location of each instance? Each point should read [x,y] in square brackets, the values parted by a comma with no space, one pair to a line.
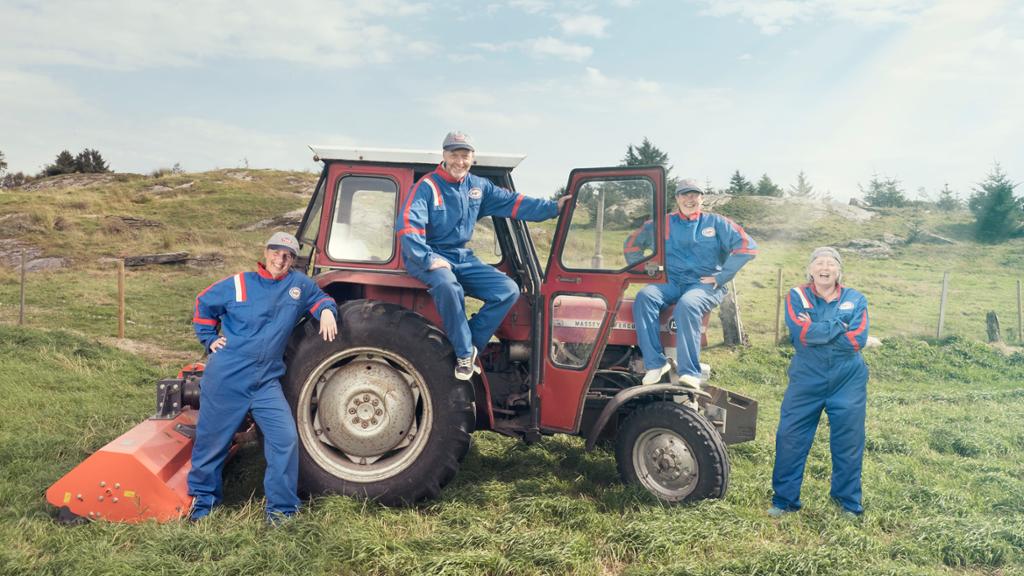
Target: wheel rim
[364,414]
[665,464]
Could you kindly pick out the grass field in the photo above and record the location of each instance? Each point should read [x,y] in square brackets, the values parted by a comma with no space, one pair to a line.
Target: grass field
[944,483]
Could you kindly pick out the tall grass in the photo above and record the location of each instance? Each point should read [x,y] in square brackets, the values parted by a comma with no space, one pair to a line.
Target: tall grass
[944,489]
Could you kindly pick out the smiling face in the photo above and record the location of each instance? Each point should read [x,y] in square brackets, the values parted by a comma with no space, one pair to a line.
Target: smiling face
[825,272]
[689,203]
[277,261]
[458,162]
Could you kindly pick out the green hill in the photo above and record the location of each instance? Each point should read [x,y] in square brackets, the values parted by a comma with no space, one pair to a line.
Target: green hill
[944,488]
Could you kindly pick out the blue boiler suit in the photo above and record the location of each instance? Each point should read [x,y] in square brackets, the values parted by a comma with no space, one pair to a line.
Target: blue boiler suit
[256,312]
[437,221]
[827,373]
[703,244]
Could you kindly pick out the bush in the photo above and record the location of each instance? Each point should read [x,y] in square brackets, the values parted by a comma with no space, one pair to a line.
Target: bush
[997,213]
[88,161]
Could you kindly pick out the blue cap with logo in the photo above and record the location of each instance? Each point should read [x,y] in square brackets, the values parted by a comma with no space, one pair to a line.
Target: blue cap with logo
[457,140]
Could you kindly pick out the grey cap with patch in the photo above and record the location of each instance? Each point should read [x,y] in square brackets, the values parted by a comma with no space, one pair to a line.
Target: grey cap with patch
[687,186]
[456,140]
[283,241]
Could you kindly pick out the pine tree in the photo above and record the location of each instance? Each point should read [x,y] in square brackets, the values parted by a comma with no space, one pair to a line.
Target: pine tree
[739,186]
[63,164]
[3,163]
[884,193]
[765,187]
[647,154]
[997,213]
[90,161]
[802,188]
[948,201]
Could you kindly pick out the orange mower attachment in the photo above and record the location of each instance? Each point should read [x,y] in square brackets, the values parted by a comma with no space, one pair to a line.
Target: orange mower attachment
[142,474]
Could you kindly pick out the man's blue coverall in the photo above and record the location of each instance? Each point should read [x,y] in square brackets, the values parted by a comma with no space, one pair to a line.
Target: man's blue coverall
[256,313]
[437,221]
[827,373]
[703,244]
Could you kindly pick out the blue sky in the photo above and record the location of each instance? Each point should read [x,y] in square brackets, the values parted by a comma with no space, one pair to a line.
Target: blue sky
[927,92]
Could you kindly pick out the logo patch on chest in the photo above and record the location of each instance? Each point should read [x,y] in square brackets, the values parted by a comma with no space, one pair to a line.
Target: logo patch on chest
[475,193]
[846,306]
[295,292]
[708,232]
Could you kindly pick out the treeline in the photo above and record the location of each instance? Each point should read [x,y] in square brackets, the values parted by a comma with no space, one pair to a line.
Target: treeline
[88,161]
[998,212]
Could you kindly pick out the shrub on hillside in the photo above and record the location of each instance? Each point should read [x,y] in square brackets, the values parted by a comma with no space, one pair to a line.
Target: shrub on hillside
[997,212]
[884,193]
[88,161]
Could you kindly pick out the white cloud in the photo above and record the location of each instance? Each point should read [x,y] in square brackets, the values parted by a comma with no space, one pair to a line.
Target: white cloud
[128,35]
[583,25]
[772,16]
[530,6]
[745,56]
[560,49]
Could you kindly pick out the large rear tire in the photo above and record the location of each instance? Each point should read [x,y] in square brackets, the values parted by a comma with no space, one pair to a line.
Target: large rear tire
[379,412]
[673,452]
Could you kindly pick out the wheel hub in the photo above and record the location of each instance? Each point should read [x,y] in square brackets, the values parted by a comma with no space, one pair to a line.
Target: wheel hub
[665,463]
[366,408]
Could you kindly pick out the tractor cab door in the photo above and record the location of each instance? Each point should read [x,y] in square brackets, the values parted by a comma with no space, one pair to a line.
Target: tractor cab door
[612,235]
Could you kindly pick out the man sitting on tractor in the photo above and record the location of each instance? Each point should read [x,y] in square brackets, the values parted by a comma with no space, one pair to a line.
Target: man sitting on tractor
[434,226]
[703,252]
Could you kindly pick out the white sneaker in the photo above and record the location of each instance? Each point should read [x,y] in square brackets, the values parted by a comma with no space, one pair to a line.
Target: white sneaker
[466,367]
[654,376]
[690,381]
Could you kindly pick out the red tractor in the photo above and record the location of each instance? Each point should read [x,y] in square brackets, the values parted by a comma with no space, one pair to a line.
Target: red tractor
[379,412]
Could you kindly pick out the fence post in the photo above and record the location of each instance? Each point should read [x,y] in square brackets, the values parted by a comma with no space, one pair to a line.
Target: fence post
[1020,316]
[120,298]
[778,304]
[21,307]
[942,304]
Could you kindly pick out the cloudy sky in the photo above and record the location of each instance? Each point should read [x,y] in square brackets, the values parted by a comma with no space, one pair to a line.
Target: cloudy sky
[925,91]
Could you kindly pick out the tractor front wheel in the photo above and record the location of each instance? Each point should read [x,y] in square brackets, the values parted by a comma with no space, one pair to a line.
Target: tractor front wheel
[379,412]
[673,452]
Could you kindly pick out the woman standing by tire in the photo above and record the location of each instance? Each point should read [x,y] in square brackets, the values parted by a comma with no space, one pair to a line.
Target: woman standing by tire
[828,325]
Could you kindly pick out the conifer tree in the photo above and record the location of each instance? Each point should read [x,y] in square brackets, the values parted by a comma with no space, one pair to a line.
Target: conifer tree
[765,187]
[802,188]
[739,186]
[997,212]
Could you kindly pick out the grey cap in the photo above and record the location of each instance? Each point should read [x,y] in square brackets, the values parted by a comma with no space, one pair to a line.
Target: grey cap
[825,251]
[283,241]
[687,185]
[456,140]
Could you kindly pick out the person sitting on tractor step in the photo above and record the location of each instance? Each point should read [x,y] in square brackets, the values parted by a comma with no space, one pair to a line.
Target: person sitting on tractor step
[434,226]
[255,312]
[703,252]
[828,324]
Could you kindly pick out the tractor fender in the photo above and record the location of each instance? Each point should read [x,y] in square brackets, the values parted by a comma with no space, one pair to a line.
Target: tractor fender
[632,393]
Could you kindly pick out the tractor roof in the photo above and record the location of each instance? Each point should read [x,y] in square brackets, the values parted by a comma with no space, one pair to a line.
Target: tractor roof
[398,156]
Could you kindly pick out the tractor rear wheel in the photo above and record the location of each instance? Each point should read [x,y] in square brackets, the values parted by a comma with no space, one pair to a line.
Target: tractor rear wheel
[673,452]
[379,412]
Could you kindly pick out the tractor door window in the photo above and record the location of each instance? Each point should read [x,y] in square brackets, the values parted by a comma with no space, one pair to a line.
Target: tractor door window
[612,225]
[364,219]
[575,323]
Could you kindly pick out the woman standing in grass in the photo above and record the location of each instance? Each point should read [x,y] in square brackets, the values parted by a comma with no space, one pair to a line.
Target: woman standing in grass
[828,324]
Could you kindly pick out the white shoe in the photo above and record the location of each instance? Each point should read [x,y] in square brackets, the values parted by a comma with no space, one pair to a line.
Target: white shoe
[654,376]
[466,367]
[690,381]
